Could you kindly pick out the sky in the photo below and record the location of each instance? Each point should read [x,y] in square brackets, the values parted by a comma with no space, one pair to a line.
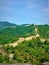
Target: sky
[25,11]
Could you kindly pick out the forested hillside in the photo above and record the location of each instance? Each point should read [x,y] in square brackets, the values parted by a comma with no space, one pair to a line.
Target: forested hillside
[5,24]
[33,52]
[9,35]
[43,31]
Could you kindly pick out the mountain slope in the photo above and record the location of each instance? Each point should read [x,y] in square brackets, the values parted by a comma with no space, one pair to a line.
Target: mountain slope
[43,31]
[5,24]
[12,34]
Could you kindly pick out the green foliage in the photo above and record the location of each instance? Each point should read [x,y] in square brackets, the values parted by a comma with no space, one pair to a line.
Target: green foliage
[9,49]
[43,31]
[9,35]
[4,59]
[33,51]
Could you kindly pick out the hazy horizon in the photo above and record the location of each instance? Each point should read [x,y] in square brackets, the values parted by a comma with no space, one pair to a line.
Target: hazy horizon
[25,23]
[25,11]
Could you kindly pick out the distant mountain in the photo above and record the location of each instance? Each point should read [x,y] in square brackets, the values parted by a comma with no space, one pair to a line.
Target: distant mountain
[5,24]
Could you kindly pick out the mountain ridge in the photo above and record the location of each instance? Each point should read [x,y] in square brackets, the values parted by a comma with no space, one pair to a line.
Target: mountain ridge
[5,24]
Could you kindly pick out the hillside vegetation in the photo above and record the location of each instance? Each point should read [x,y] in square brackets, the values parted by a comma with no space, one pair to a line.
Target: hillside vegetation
[9,35]
[6,24]
[33,52]
[43,31]
[12,34]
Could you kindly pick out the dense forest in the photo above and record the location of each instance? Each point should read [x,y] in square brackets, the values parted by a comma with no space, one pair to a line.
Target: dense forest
[33,52]
[10,32]
[9,35]
[43,31]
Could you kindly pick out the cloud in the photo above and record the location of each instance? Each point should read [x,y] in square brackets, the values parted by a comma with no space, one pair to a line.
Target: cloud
[7,18]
